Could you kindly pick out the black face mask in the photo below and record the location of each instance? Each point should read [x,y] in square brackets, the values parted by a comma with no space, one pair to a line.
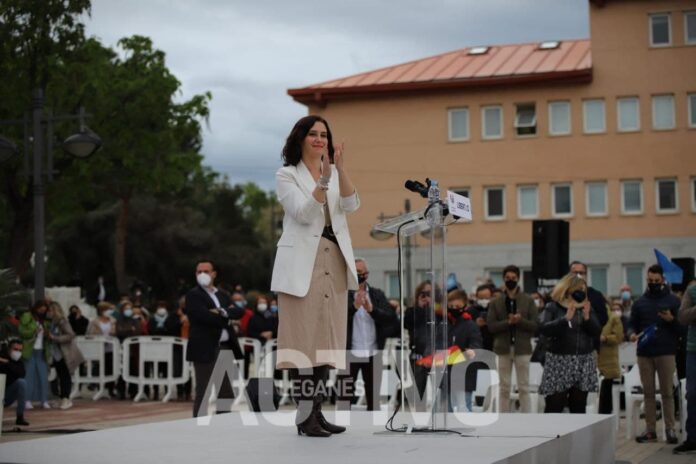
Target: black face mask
[579,296]
[456,312]
[654,288]
[362,278]
[510,284]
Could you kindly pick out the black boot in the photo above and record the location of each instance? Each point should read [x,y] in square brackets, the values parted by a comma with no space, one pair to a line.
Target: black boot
[21,421]
[320,376]
[306,421]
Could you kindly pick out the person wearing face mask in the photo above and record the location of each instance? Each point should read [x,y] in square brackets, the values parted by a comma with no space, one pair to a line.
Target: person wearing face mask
[104,324]
[687,317]
[209,312]
[479,310]
[12,366]
[33,329]
[654,318]
[263,325]
[513,321]
[78,322]
[626,298]
[597,301]
[127,325]
[370,320]
[464,333]
[65,354]
[162,323]
[608,360]
[570,370]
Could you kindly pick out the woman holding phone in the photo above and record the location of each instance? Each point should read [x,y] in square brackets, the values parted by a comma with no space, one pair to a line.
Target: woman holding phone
[314,266]
[570,369]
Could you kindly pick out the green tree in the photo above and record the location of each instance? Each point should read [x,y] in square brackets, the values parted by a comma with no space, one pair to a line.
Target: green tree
[36,38]
[151,142]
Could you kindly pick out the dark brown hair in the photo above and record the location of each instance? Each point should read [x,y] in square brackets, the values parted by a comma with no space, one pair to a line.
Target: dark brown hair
[292,151]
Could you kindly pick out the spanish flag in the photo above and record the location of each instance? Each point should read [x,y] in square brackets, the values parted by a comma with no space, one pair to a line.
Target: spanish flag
[454,356]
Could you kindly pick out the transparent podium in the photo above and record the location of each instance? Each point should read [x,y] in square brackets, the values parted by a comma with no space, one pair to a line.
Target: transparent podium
[422,367]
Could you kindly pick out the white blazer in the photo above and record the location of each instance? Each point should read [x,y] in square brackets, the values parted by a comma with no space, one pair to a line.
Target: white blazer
[302,227]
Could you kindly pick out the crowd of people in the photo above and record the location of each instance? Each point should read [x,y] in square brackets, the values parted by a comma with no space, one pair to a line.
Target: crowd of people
[574,331]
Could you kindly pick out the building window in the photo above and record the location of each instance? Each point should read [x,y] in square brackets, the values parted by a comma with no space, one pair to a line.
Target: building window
[458,124]
[690,27]
[492,117]
[628,114]
[666,196]
[496,276]
[525,119]
[392,280]
[495,203]
[527,201]
[633,276]
[596,199]
[559,118]
[598,278]
[663,112]
[593,113]
[692,109]
[463,191]
[631,197]
[562,200]
[660,30]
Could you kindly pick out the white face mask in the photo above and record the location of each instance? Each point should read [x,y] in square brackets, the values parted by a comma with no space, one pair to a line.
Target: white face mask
[483,303]
[128,312]
[261,307]
[161,311]
[15,355]
[537,302]
[204,279]
[109,312]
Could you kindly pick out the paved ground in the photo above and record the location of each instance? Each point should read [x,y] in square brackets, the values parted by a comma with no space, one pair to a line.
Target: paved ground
[94,415]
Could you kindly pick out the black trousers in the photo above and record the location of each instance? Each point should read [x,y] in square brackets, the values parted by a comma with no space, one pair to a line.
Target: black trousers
[203,372]
[371,369]
[64,379]
[605,398]
[574,398]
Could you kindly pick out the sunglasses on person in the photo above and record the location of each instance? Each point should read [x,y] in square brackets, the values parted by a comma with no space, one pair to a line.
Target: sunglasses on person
[424,295]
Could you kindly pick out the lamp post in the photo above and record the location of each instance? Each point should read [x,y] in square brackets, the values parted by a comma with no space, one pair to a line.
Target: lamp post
[80,145]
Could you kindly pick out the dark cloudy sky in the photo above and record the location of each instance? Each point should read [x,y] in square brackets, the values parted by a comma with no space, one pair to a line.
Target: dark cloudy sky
[248,53]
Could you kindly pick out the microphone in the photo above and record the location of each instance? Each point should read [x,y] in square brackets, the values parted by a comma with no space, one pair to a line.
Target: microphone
[417,187]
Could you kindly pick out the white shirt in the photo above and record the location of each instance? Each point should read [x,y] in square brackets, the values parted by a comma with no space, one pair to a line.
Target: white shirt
[364,340]
[38,343]
[224,336]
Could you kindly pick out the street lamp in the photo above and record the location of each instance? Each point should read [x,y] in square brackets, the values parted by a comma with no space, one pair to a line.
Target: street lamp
[79,145]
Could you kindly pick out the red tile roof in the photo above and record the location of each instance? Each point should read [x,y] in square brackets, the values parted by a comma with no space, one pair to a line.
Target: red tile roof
[514,64]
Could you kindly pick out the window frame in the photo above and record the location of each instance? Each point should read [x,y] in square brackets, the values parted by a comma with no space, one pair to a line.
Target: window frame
[531,126]
[589,213]
[554,213]
[623,198]
[487,216]
[624,271]
[691,109]
[660,210]
[619,127]
[570,117]
[519,201]
[654,99]
[450,131]
[603,130]
[669,30]
[501,119]
[591,269]
[686,27]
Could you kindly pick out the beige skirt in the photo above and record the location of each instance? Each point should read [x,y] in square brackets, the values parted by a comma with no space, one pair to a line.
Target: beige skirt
[312,330]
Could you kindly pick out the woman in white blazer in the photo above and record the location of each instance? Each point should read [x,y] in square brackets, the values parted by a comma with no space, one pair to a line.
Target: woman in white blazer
[314,265]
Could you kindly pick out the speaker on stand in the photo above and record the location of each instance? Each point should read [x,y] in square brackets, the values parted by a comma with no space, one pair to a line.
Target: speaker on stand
[550,249]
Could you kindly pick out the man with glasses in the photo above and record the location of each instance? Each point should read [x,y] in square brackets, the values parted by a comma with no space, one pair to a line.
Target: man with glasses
[512,320]
[370,321]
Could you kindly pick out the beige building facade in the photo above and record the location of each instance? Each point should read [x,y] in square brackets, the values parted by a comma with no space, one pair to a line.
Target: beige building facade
[598,132]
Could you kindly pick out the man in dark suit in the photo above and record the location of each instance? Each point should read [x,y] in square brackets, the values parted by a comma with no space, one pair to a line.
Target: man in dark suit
[370,321]
[209,312]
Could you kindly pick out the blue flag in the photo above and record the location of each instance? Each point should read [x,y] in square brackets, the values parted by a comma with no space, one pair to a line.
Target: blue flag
[452,282]
[673,273]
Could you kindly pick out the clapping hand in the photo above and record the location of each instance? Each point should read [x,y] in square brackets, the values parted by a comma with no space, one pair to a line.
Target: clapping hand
[586,310]
[666,315]
[326,165]
[338,156]
[570,313]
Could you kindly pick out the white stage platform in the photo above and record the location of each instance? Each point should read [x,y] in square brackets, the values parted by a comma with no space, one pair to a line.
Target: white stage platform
[513,438]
